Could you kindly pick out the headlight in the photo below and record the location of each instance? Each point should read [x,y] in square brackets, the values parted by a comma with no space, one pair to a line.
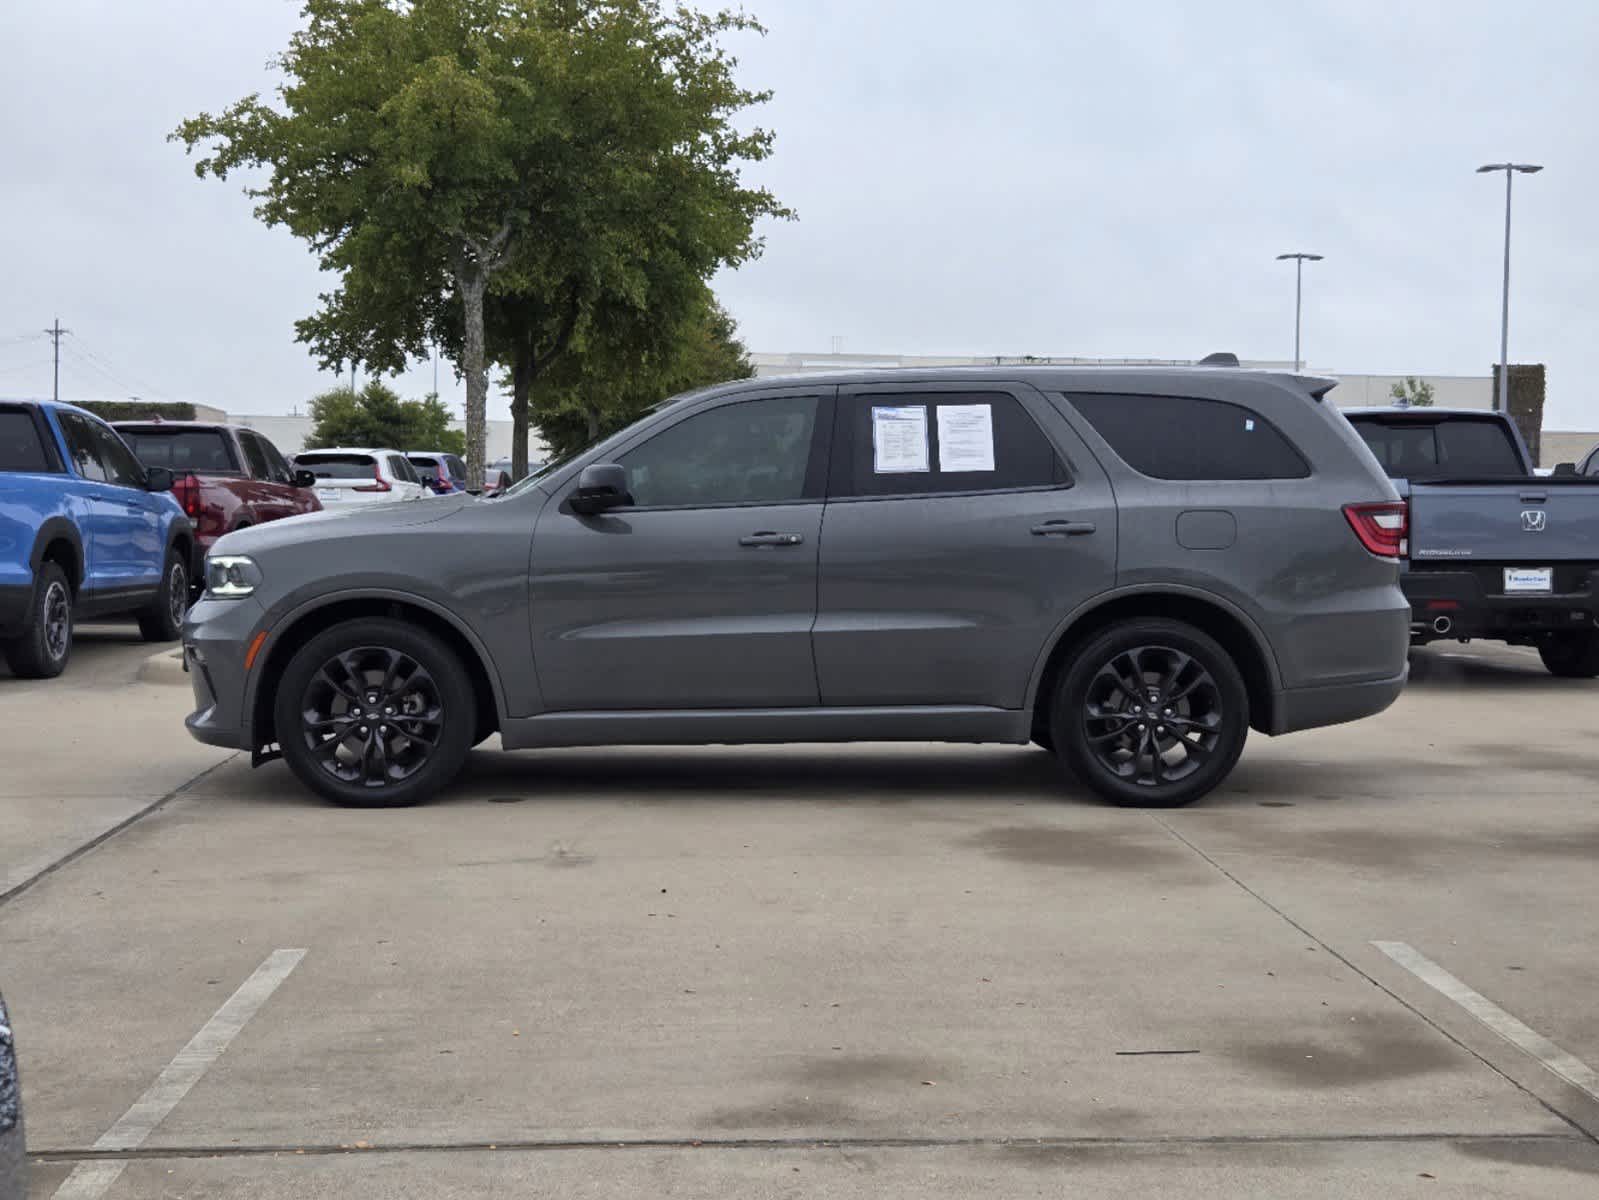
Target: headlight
[231,575]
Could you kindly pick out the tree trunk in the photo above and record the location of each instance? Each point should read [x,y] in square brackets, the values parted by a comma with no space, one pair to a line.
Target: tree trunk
[521,388]
[473,284]
[592,416]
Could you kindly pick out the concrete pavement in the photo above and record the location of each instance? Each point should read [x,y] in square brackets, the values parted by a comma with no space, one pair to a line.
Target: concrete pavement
[871,970]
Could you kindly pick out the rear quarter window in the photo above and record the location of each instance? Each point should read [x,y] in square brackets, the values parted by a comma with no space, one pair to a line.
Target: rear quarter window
[1188,438]
[22,446]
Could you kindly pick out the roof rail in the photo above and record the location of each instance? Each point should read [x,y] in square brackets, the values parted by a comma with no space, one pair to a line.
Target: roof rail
[1222,358]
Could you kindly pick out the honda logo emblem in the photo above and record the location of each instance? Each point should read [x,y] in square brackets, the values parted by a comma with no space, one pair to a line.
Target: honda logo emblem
[1534,520]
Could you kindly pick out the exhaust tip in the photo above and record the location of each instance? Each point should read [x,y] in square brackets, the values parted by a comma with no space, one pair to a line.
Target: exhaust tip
[1442,625]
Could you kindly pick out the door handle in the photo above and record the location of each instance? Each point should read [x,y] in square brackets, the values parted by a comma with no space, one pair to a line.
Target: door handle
[767,538]
[1063,529]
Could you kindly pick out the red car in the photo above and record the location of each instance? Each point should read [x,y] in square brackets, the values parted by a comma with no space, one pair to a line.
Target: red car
[225,476]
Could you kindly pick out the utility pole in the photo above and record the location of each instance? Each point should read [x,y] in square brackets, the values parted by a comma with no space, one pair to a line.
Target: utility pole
[352,377]
[1299,275]
[54,334]
[1510,169]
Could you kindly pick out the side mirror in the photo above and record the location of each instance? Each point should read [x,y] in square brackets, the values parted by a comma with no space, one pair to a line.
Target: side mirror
[158,479]
[304,478]
[1564,470]
[599,487]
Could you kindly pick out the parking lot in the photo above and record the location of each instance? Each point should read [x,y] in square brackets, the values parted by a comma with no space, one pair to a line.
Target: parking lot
[808,970]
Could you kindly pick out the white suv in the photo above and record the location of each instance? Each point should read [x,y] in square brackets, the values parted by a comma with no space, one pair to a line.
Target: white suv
[349,476]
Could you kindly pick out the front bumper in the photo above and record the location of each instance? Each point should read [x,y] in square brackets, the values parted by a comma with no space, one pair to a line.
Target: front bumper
[1470,603]
[216,637]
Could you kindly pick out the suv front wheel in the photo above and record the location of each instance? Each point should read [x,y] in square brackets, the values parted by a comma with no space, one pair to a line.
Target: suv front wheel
[375,714]
[1152,713]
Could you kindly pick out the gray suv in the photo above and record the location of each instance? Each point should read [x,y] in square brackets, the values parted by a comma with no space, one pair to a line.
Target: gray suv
[1131,567]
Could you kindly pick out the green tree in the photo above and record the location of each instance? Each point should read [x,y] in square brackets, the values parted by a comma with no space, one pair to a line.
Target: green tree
[572,154]
[376,416]
[607,387]
[1415,392]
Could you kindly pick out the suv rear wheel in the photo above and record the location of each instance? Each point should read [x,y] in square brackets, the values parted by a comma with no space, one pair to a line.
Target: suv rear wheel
[1572,655]
[41,650]
[162,621]
[375,714]
[1152,713]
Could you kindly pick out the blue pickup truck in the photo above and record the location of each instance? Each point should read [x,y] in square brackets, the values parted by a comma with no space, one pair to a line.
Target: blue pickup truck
[85,531]
[1495,551]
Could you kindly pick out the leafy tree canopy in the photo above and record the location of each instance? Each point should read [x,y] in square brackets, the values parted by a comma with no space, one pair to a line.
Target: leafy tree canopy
[568,156]
[1412,391]
[607,387]
[376,416]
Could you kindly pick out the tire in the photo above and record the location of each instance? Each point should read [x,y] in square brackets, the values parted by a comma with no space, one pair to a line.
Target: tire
[421,675]
[162,621]
[1572,655]
[43,647]
[1208,719]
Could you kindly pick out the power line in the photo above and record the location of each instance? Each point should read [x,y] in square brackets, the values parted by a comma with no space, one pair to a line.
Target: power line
[112,370]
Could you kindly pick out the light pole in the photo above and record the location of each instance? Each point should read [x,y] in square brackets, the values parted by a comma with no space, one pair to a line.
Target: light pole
[1509,168]
[1299,275]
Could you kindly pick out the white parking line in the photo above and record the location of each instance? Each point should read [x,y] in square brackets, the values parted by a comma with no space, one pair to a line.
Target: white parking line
[1570,1068]
[89,1181]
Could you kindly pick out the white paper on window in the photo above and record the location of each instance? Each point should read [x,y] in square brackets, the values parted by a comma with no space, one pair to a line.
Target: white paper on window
[899,439]
[965,437]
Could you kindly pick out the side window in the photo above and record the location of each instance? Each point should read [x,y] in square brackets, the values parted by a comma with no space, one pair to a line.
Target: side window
[23,448]
[749,452]
[254,457]
[1593,463]
[457,467]
[1183,437]
[932,443]
[402,469]
[276,463]
[81,446]
[121,467]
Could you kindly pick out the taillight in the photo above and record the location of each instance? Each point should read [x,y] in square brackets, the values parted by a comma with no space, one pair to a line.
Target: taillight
[382,484]
[187,493]
[1384,529]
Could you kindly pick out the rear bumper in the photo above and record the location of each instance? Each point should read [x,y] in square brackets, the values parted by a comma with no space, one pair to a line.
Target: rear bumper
[1310,708]
[1459,604]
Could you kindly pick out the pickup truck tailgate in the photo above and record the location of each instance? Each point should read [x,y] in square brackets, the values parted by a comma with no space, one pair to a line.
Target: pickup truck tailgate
[1506,521]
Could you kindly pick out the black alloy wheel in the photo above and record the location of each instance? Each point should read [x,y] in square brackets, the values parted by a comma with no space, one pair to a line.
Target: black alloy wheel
[374,713]
[1151,713]
[372,716]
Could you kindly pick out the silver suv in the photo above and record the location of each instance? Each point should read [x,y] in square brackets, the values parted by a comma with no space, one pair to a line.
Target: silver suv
[1131,567]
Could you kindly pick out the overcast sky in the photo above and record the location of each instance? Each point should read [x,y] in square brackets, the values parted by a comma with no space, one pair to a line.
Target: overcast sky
[1012,177]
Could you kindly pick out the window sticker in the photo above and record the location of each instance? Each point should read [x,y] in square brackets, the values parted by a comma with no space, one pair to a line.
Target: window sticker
[965,437]
[899,439]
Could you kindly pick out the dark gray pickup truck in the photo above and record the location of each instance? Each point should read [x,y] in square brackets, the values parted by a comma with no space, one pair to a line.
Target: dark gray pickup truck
[1495,551]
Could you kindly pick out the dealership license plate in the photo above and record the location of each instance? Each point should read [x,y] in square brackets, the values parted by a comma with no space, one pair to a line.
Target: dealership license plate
[1522,580]
[333,494]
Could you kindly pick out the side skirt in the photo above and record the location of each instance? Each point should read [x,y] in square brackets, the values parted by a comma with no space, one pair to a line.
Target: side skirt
[745,726]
